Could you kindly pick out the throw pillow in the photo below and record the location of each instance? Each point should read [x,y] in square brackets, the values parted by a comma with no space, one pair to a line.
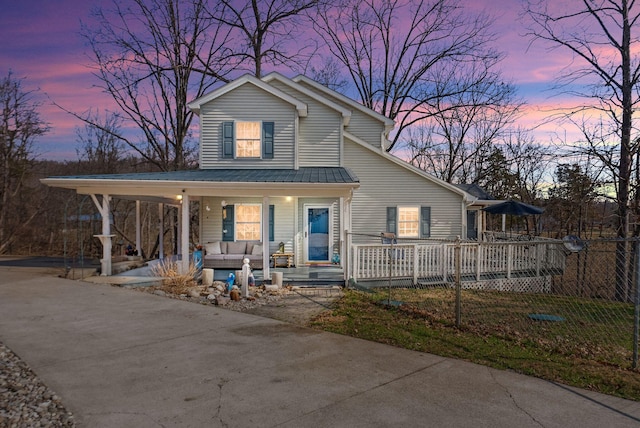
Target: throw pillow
[257,250]
[212,248]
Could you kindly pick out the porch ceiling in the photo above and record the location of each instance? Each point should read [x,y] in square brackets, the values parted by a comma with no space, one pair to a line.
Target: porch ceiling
[323,182]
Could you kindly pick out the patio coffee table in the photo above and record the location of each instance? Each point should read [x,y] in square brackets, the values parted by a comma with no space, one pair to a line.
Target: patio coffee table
[277,256]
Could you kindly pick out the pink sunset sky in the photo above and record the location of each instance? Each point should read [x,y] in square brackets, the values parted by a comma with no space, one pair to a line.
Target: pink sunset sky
[39,41]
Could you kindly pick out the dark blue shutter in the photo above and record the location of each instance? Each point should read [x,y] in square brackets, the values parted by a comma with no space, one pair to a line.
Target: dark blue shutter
[271,222]
[425,222]
[227,140]
[267,140]
[392,214]
[228,223]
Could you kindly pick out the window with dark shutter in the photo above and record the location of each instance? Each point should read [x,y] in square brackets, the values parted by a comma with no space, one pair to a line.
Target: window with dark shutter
[228,221]
[267,140]
[392,214]
[425,222]
[271,222]
[227,140]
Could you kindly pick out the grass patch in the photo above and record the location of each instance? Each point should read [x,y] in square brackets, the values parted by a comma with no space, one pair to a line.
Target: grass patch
[496,331]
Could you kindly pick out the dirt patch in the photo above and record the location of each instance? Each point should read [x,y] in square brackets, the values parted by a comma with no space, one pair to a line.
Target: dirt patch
[300,305]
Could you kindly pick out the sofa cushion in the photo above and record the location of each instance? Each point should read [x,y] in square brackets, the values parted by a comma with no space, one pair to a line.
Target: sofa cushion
[251,245]
[257,250]
[236,247]
[212,248]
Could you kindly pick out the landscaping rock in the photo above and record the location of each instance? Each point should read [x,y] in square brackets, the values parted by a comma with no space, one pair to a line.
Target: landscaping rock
[159,293]
[222,300]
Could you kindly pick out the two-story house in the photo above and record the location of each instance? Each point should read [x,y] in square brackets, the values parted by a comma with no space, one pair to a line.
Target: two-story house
[291,161]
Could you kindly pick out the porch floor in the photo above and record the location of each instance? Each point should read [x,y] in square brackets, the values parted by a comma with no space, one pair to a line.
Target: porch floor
[301,276]
[304,275]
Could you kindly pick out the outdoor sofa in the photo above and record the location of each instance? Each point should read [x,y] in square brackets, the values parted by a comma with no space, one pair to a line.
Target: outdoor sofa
[229,255]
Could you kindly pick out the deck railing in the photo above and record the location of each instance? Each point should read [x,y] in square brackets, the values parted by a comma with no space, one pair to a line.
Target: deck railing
[435,262]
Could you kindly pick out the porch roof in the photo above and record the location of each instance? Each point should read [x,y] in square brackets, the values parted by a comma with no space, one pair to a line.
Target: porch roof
[312,181]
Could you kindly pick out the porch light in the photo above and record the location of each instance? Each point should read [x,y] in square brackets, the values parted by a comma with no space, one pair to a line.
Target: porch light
[288,199]
[179,197]
[223,203]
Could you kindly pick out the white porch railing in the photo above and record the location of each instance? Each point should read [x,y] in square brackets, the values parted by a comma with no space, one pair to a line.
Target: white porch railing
[436,262]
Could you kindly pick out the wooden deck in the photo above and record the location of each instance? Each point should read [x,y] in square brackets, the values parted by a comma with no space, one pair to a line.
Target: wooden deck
[436,263]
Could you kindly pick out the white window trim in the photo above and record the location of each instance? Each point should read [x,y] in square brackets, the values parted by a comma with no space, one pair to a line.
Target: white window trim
[235,221]
[398,221]
[235,139]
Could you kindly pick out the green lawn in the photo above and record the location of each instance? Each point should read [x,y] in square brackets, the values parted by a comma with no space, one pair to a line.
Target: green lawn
[590,348]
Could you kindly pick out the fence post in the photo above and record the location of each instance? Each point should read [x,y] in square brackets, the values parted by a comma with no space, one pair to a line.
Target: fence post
[636,312]
[457,262]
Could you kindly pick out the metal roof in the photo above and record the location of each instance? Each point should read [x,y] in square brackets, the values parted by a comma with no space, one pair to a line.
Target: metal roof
[318,175]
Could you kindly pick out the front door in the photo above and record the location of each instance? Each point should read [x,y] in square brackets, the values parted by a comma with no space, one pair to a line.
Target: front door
[317,233]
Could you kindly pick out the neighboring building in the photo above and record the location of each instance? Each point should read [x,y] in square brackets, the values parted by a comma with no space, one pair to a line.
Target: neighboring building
[291,161]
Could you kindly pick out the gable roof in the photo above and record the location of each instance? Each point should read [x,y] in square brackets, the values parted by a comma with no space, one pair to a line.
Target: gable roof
[389,123]
[467,197]
[476,191]
[244,80]
[346,114]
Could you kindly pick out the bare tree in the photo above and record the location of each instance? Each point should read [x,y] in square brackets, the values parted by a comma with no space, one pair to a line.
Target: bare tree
[599,36]
[99,145]
[150,57]
[20,125]
[265,32]
[398,54]
[464,127]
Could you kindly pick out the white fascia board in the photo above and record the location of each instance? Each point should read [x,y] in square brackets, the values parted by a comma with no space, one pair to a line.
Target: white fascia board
[466,196]
[389,124]
[247,78]
[346,114]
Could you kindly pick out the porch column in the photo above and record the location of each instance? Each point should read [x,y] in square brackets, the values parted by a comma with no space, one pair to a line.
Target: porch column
[138,230]
[105,237]
[345,257]
[265,239]
[160,231]
[179,231]
[184,238]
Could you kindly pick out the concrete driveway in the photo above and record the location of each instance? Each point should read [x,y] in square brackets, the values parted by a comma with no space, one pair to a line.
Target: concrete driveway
[120,358]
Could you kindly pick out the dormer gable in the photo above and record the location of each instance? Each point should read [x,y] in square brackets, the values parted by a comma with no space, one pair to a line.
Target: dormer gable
[388,123]
[275,76]
[247,79]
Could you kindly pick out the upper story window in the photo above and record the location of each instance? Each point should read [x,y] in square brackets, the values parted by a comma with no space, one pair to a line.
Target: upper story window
[247,140]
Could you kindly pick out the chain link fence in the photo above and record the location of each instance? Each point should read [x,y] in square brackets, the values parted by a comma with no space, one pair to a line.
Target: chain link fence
[577,298]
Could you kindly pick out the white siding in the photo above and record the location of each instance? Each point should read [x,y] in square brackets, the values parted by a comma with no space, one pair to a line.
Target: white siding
[319,133]
[247,103]
[384,184]
[362,125]
[284,224]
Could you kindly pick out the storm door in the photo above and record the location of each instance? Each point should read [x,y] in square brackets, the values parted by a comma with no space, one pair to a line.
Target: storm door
[317,233]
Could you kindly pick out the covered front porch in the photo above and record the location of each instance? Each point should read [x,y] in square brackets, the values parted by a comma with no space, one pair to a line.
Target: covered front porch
[294,193]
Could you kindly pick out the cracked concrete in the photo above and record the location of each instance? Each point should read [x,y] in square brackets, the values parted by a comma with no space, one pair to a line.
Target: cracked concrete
[127,359]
